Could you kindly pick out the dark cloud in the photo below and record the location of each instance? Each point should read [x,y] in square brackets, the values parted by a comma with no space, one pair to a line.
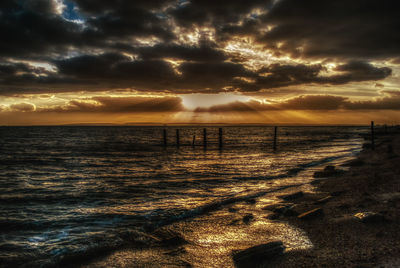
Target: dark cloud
[117,20]
[121,105]
[120,5]
[215,13]
[133,22]
[28,33]
[204,52]
[306,102]
[248,27]
[313,102]
[277,75]
[363,71]
[93,54]
[108,69]
[22,107]
[115,70]
[390,102]
[40,6]
[346,29]
[310,102]
[33,29]
[237,106]
[212,75]
[23,78]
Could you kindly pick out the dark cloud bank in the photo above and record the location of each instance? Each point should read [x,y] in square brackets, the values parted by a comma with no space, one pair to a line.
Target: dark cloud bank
[311,103]
[174,104]
[96,46]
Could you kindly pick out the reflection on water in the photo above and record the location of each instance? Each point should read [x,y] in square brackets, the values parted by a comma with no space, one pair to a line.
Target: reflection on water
[67,190]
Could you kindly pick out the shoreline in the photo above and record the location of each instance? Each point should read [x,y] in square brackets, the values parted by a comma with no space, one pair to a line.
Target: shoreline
[360,223]
[333,238]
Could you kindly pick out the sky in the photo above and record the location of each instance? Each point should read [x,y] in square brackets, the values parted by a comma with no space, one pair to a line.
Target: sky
[199,61]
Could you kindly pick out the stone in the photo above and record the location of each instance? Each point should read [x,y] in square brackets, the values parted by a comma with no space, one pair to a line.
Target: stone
[292,196]
[311,214]
[251,256]
[232,210]
[337,193]
[246,219]
[273,216]
[317,181]
[370,217]
[329,171]
[169,237]
[355,163]
[280,209]
[251,201]
[289,212]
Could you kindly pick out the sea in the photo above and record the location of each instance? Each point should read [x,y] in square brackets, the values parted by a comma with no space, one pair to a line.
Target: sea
[67,191]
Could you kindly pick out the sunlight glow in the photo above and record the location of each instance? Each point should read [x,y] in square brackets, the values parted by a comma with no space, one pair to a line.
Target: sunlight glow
[192,101]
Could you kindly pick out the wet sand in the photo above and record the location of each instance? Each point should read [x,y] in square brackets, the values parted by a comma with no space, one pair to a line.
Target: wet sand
[333,238]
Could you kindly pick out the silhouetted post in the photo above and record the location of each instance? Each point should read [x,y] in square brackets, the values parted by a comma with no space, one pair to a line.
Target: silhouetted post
[177,137]
[386,129]
[220,137]
[372,136]
[205,138]
[275,137]
[165,136]
[194,140]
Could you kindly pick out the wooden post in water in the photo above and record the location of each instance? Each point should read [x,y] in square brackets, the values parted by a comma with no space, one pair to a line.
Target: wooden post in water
[194,140]
[165,136]
[205,138]
[372,136]
[275,137]
[220,137]
[177,138]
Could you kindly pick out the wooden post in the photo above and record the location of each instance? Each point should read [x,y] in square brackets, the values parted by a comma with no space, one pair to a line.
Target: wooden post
[220,137]
[165,136]
[275,137]
[177,137]
[372,136]
[194,140]
[205,138]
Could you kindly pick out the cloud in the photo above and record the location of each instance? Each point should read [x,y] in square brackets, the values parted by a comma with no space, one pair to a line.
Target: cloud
[38,29]
[33,30]
[121,105]
[314,102]
[22,107]
[310,102]
[159,46]
[202,53]
[116,70]
[277,75]
[153,73]
[210,12]
[362,71]
[337,29]
[389,102]
[44,6]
